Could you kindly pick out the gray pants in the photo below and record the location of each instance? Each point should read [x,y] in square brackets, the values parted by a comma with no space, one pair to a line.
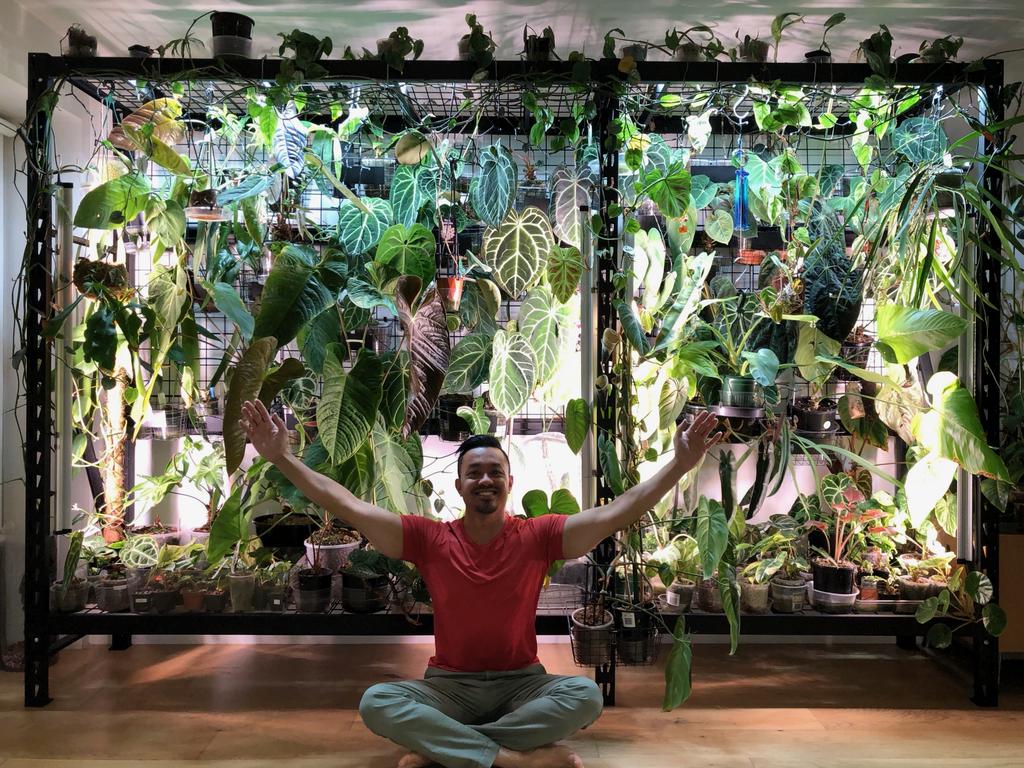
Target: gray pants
[462,719]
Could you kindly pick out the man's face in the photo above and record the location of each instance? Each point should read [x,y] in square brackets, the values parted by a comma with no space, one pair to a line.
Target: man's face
[484,481]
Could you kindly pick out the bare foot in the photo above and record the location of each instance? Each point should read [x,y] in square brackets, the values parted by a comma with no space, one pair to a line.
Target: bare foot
[414,760]
[555,756]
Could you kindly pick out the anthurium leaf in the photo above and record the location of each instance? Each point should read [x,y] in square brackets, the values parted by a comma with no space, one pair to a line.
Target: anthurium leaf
[668,188]
[680,231]
[565,267]
[470,362]
[719,226]
[408,250]
[994,619]
[608,460]
[314,336]
[293,295]
[952,428]
[481,299]
[113,203]
[712,534]
[348,405]
[512,372]
[544,323]
[535,503]
[563,502]
[493,189]
[577,423]
[429,348]
[687,300]
[227,300]
[905,333]
[479,422]
[702,191]
[358,230]
[395,394]
[412,148]
[278,377]
[569,192]
[631,327]
[867,427]
[251,186]
[396,475]
[517,249]
[678,668]
[365,296]
[290,141]
[246,381]
[413,194]
[920,140]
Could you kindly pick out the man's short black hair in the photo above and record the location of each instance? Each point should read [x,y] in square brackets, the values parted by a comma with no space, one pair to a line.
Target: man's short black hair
[479,441]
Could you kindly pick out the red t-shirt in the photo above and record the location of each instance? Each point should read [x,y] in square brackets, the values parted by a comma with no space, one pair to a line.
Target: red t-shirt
[484,597]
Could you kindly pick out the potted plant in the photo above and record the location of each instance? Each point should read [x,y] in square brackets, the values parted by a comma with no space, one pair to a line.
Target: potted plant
[159,594]
[69,593]
[80,42]
[394,48]
[709,596]
[331,544]
[193,595]
[823,54]
[750,256]
[215,595]
[919,582]
[685,48]
[313,590]
[477,45]
[232,34]
[815,414]
[777,561]
[636,633]
[855,350]
[365,585]
[272,587]
[538,47]
[750,50]
[590,631]
[747,376]
[112,591]
[754,587]
[138,555]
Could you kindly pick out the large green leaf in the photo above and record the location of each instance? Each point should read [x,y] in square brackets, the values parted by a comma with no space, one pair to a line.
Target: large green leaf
[230,526]
[294,295]
[702,191]
[813,353]
[395,395]
[563,502]
[512,372]
[631,327]
[680,231]
[429,348]
[687,300]
[358,230]
[653,248]
[994,619]
[545,324]
[868,426]
[905,333]
[315,335]
[165,219]
[113,203]
[251,186]
[413,194]
[608,460]
[565,267]
[569,192]
[409,251]
[927,482]
[278,377]
[668,188]
[367,297]
[920,140]
[481,300]
[953,429]
[678,681]
[326,146]
[289,143]
[516,250]
[471,360]
[719,227]
[764,366]
[478,421]
[396,476]
[227,300]
[246,381]
[357,472]
[493,190]
[348,405]
[577,423]
[712,534]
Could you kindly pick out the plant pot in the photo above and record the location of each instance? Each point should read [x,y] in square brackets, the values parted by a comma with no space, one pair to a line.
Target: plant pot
[274,598]
[868,590]
[215,601]
[72,600]
[112,595]
[591,645]
[637,646]
[193,600]
[450,289]
[333,557]
[464,51]
[911,589]
[314,592]
[232,34]
[689,52]
[363,594]
[837,580]
[830,602]
[788,595]
[753,597]
[285,531]
[150,600]
[818,57]
[750,257]
[680,594]
[140,51]
[241,586]
[202,206]
[739,392]
[636,52]
[754,52]
[538,48]
[709,596]
[822,420]
[136,577]
[856,354]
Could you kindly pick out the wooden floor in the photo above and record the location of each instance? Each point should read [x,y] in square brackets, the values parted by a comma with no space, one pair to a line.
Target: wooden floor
[295,706]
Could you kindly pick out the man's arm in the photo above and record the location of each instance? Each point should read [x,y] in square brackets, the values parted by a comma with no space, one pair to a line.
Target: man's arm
[585,530]
[268,435]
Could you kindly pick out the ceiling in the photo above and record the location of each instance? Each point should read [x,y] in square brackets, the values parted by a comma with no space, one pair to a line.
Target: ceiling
[987,26]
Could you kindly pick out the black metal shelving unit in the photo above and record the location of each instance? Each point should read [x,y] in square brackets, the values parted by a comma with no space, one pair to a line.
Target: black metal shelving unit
[45,631]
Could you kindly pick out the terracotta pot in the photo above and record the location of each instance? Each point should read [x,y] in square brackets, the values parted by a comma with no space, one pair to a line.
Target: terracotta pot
[750,256]
[193,601]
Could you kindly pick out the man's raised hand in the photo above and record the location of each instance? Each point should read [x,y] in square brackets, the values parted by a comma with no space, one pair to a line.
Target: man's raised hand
[691,440]
[266,432]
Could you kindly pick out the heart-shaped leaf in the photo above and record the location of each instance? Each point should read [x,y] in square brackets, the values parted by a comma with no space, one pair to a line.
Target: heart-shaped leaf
[535,503]
[512,372]
[409,251]
[719,227]
[348,404]
[920,140]
[413,194]
[471,360]
[668,188]
[569,192]
[702,191]
[577,423]
[293,295]
[905,333]
[290,141]
[565,267]
[563,502]
[429,348]
[479,422]
[412,148]
[315,336]
[493,190]
[481,299]
[545,324]
[516,250]
[113,203]
[678,680]
[359,231]
[395,395]
[246,381]
[608,460]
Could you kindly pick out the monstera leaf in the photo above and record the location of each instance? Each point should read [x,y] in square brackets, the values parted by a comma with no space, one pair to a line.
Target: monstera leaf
[246,382]
[905,333]
[569,192]
[348,405]
[429,350]
[359,231]
[294,294]
[544,323]
[565,268]
[516,249]
[290,141]
[512,372]
[493,190]
[413,193]
[113,203]
[471,359]
[409,251]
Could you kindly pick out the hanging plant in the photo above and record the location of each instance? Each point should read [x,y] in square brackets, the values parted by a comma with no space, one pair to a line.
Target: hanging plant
[493,191]
[516,249]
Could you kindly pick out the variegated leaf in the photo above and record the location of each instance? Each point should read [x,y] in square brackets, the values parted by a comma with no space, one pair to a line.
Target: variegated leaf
[544,323]
[471,359]
[493,190]
[290,141]
[565,268]
[358,231]
[512,372]
[516,249]
[413,193]
[429,348]
[569,191]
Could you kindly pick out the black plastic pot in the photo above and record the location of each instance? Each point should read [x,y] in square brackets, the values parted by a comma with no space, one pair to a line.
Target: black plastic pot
[361,594]
[538,48]
[739,392]
[289,532]
[837,580]
[233,24]
[856,355]
[821,420]
[314,592]
[453,428]
[818,57]
[216,602]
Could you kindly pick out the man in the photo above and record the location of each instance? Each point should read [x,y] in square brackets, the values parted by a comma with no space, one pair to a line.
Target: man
[485,699]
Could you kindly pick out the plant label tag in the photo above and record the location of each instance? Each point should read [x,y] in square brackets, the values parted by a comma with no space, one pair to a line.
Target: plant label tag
[277,602]
[629,620]
[672,598]
[142,601]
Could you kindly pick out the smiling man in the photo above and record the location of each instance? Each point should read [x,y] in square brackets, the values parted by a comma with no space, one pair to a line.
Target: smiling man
[485,699]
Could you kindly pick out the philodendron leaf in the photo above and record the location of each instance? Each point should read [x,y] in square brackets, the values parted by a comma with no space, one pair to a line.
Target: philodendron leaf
[493,190]
[245,384]
[294,295]
[413,194]
[565,267]
[470,362]
[278,377]
[517,248]
[577,423]
[409,251]
[569,192]
[764,366]
[925,484]
[535,503]
[348,405]
[227,300]
[905,333]
[712,534]
[544,323]
[702,191]
[687,300]
[317,334]
[429,348]
[719,227]
[359,231]
[512,372]
[608,460]
[479,422]
[563,502]
[230,525]
[290,141]
[395,388]
[113,203]
[678,680]
[631,327]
